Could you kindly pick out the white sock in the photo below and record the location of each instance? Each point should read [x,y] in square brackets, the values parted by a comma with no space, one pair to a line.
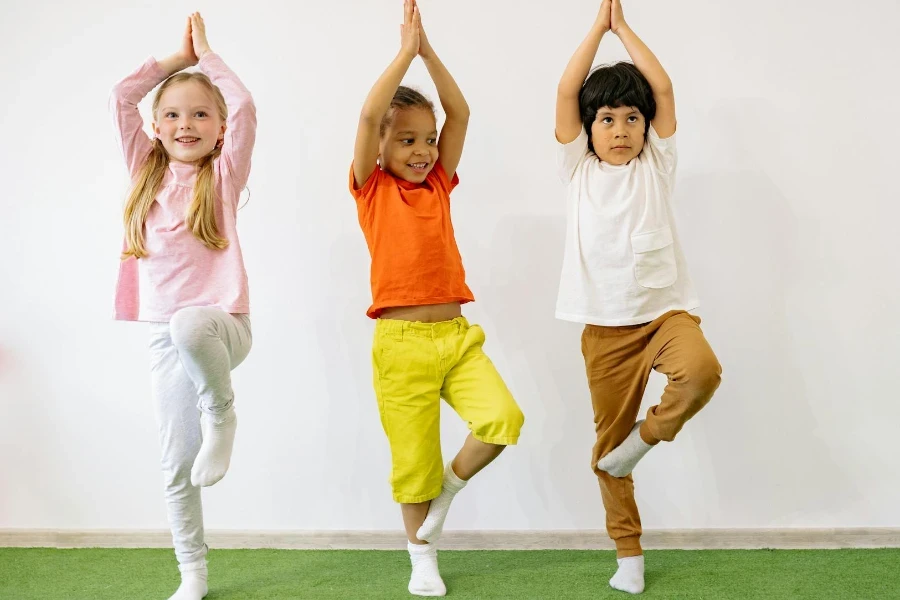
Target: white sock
[193,581]
[433,527]
[630,576]
[622,460]
[425,579]
[214,457]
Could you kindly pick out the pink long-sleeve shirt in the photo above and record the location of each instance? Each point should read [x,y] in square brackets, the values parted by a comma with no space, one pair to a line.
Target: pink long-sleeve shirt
[179,270]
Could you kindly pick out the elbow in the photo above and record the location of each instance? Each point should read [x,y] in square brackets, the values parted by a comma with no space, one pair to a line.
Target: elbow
[461,114]
[566,93]
[664,89]
[116,94]
[244,112]
[243,104]
[118,100]
[369,119]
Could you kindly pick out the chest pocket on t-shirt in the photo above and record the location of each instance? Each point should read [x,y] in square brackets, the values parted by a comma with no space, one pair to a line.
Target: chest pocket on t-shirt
[654,258]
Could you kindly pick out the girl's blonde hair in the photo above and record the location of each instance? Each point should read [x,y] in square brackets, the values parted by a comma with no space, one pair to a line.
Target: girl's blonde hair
[201,214]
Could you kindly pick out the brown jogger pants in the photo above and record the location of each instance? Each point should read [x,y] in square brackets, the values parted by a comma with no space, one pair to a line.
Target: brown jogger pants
[618,362]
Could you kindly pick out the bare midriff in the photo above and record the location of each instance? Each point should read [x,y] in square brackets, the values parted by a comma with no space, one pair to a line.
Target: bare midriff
[427,313]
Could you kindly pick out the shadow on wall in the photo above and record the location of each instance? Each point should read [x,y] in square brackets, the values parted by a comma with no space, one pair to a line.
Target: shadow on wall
[344,332]
[760,434]
[544,353]
[25,410]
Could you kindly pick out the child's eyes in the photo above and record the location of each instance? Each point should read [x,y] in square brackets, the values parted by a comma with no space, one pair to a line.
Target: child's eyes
[199,114]
[432,141]
[609,120]
[407,141]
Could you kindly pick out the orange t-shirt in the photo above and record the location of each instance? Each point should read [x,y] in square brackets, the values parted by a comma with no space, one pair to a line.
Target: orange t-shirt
[415,260]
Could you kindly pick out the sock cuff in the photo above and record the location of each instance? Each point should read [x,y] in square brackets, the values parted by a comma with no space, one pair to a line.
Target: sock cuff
[193,567]
[646,436]
[451,480]
[421,549]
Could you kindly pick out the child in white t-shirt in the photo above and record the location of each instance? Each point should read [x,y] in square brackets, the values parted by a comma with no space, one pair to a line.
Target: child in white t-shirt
[624,274]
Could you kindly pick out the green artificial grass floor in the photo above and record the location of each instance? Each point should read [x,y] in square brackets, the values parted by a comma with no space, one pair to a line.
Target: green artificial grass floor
[124,574]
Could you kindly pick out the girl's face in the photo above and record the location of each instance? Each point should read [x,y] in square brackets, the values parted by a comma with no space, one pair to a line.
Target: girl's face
[618,134]
[187,122]
[408,147]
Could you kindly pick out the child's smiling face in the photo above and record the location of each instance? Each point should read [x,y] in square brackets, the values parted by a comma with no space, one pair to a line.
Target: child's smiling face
[187,122]
[617,134]
[408,147]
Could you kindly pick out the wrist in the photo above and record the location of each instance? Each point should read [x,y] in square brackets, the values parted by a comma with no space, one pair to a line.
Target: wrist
[622,29]
[175,63]
[204,52]
[601,25]
[406,55]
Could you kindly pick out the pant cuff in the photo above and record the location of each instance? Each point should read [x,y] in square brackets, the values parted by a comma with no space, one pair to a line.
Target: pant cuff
[497,441]
[646,436]
[416,499]
[628,546]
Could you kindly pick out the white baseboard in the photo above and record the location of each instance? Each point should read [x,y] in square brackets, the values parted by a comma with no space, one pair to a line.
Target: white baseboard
[661,539]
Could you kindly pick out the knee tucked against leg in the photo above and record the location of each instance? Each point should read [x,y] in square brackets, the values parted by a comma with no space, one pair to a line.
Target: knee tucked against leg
[700,383]
[693,389]
[502,427]
[704,376]
[186,326]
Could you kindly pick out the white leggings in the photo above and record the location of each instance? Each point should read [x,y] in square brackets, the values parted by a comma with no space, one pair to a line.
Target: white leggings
[191,358]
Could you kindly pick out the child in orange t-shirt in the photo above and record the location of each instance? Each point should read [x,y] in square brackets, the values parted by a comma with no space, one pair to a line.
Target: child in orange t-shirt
[401,178]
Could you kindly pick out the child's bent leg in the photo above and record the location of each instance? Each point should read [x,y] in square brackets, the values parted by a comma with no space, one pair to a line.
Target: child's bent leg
[681,353]
[210,343]
[622,460]
[475,390]
[677,348]
[175,398]
[473,457]
[433,524]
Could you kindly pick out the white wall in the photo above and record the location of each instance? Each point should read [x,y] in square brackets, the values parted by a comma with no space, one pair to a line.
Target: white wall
[787,204]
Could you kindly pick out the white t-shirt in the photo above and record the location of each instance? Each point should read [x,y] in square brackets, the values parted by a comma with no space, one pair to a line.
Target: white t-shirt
[623,263]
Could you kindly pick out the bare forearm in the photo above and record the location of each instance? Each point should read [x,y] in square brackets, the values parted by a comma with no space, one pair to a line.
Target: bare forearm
[452,100]
[379,99]
[580,64]
[173,64]
[645,61]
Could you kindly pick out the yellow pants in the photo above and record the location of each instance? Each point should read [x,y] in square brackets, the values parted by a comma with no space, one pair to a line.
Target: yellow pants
[415,365]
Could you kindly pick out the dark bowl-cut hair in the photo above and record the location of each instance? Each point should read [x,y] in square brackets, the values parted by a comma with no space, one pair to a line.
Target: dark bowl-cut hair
[613,86]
